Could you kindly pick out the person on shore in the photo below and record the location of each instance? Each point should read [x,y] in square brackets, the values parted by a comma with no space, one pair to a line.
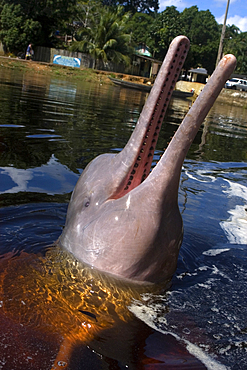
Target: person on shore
[29,52]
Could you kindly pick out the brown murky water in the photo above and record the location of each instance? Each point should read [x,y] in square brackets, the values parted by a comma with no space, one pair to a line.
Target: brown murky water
[50,313]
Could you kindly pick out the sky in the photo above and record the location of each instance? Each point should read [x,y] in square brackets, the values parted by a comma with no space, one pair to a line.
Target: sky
[237,12]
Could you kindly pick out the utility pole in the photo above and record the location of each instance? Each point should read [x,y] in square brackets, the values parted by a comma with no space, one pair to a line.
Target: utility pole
[220,50]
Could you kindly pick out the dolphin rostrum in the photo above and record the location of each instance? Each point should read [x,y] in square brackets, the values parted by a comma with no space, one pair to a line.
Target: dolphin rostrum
[121,218]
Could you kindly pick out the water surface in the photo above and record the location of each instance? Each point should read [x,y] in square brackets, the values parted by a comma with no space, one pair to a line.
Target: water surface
[49,130]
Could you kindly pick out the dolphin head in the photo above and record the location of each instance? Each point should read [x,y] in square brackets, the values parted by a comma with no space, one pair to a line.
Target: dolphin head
[121,218]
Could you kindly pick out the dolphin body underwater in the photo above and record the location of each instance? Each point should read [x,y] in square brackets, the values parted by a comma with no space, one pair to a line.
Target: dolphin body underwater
[122,236]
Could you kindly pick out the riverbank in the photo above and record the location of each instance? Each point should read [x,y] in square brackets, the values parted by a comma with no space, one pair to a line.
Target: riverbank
[226,96]
[56,70]
[40,68]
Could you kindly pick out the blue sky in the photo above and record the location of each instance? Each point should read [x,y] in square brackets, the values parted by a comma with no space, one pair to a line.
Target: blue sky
[237,12]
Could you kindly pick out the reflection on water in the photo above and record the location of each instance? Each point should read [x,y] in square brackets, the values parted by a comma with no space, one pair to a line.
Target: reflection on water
[49,130]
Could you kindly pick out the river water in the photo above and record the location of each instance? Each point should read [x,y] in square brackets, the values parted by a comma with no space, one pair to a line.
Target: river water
[50,128]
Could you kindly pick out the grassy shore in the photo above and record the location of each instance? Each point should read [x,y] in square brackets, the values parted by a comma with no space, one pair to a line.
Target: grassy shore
[86,74]
[28,66]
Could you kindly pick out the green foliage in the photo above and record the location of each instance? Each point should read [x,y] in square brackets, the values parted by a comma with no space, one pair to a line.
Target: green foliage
[133,6]
[85,11]
[104,37]
[199,26]
[107,32]
[139,26]
[236,43]
[163,30]
[204,35]
[17,28]
[33,21]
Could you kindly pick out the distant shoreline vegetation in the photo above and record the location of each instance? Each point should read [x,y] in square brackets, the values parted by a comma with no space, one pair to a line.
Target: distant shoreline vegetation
[109,31]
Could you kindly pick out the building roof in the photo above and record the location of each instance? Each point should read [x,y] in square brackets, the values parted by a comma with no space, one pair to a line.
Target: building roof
[148,58]
[199,71]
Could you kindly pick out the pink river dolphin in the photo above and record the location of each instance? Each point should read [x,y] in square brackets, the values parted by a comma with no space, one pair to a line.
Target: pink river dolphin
[123,219]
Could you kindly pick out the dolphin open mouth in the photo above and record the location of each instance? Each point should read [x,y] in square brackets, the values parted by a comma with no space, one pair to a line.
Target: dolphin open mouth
[140,148]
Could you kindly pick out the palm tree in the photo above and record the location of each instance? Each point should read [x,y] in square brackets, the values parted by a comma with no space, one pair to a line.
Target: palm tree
[236,43]
[105,37]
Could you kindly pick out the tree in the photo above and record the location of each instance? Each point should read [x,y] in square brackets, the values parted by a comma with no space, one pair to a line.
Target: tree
[139,27]
[165,28]
[236,43]
[105,36]
[16,28]
[203,32]
[33,21]
[199,26]
[133,6]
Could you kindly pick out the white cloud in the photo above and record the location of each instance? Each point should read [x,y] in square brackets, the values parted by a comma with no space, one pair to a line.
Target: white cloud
[240,22]
[19,176]
[237,20]
[179,4]
[54,177]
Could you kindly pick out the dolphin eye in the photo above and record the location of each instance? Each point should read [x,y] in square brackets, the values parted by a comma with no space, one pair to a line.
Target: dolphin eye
[87,203]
